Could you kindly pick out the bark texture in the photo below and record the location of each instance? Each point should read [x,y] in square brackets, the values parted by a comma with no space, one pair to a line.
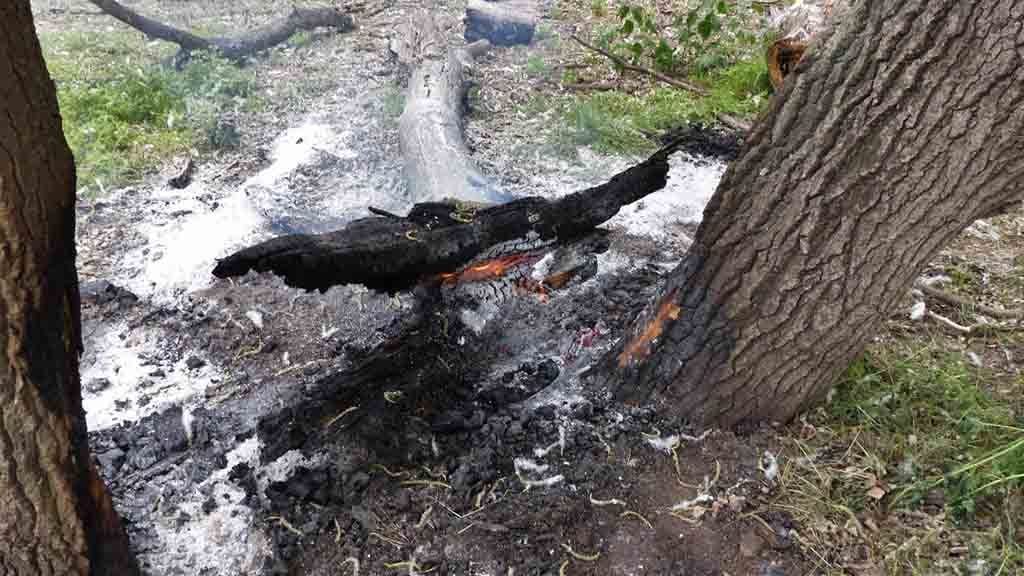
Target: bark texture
[393,253]
[55,514]
[437,163]
[903,124]
[235,48]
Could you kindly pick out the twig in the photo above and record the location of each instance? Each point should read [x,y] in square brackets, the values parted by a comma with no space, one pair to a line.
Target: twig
[385,213]
[610,502]
[426,483]
[340,416]
[584,557]
[637,515]
[949,323]
[700,90]
[954,300]
[287,525]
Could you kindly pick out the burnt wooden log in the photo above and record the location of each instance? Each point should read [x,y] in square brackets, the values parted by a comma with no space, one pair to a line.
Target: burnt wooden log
[437,163]
[501,23]
[391,253]
[233,48]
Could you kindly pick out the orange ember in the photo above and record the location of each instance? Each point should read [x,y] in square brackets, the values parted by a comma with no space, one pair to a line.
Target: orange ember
[639,348]
[489,270]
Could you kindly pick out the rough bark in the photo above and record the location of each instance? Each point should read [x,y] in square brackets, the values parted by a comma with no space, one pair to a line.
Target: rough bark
[437,163]
[392,253]
[903,125]
[501,23]
[238,47]
[55,514]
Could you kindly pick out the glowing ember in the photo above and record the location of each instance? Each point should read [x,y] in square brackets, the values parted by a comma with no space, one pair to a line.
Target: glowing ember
[639,348]
[490,269]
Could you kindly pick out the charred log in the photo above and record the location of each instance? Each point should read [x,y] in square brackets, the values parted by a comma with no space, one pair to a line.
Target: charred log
[437,162]
[234,48]
[500,23]
[391,254]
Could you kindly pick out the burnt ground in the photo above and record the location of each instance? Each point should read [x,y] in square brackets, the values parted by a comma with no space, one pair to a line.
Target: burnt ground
[247,428]
[442,477]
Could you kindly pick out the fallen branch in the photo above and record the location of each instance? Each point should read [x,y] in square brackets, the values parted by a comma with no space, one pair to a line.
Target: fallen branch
[960,302]
[437,161]
[392,254]
[725,119]
[236,48]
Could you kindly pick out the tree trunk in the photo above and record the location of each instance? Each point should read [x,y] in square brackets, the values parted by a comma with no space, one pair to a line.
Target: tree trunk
[902,125]
[55,514]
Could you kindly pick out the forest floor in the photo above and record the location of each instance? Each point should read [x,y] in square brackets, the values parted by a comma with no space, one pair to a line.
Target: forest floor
[914,465]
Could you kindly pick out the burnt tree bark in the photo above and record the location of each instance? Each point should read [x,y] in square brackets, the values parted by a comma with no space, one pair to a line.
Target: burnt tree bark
[902,125]
[437,163]
[55,514]
[234,48]
[393,253]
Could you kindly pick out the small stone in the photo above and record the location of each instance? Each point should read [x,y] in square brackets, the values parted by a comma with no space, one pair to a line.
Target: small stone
[210,505]
[157,374]
[194,362]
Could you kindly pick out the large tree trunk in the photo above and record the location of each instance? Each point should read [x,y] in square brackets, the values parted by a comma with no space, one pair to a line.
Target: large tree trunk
[55,514]
[898,129]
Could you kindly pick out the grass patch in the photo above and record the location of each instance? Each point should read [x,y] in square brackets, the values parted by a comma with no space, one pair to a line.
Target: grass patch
[615,122]
[914,462]
[123,112]
[536,67]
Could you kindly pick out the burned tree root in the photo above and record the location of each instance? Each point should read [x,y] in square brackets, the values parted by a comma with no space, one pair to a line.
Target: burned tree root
[235,48]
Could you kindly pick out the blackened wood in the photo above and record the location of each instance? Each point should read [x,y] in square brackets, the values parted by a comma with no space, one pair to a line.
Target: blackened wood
[389,254]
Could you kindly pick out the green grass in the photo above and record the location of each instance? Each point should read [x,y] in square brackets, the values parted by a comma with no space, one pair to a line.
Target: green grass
[922,422]
[123,113]
[616,122]
[536,67]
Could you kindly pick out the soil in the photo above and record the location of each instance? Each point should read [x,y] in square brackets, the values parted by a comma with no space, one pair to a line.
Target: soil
[229,418]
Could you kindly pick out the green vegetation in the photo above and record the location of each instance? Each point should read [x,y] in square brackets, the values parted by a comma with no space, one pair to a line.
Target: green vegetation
[536,67]
[620,122]
[713,34]
[912,428]
[123,112]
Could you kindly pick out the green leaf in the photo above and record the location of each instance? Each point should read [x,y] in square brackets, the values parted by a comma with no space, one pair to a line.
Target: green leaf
[627,27]
[624,11]
[691,18]
[705,28]
[722,7]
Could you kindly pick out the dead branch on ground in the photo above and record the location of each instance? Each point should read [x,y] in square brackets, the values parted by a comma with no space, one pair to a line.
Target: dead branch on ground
[234,48]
